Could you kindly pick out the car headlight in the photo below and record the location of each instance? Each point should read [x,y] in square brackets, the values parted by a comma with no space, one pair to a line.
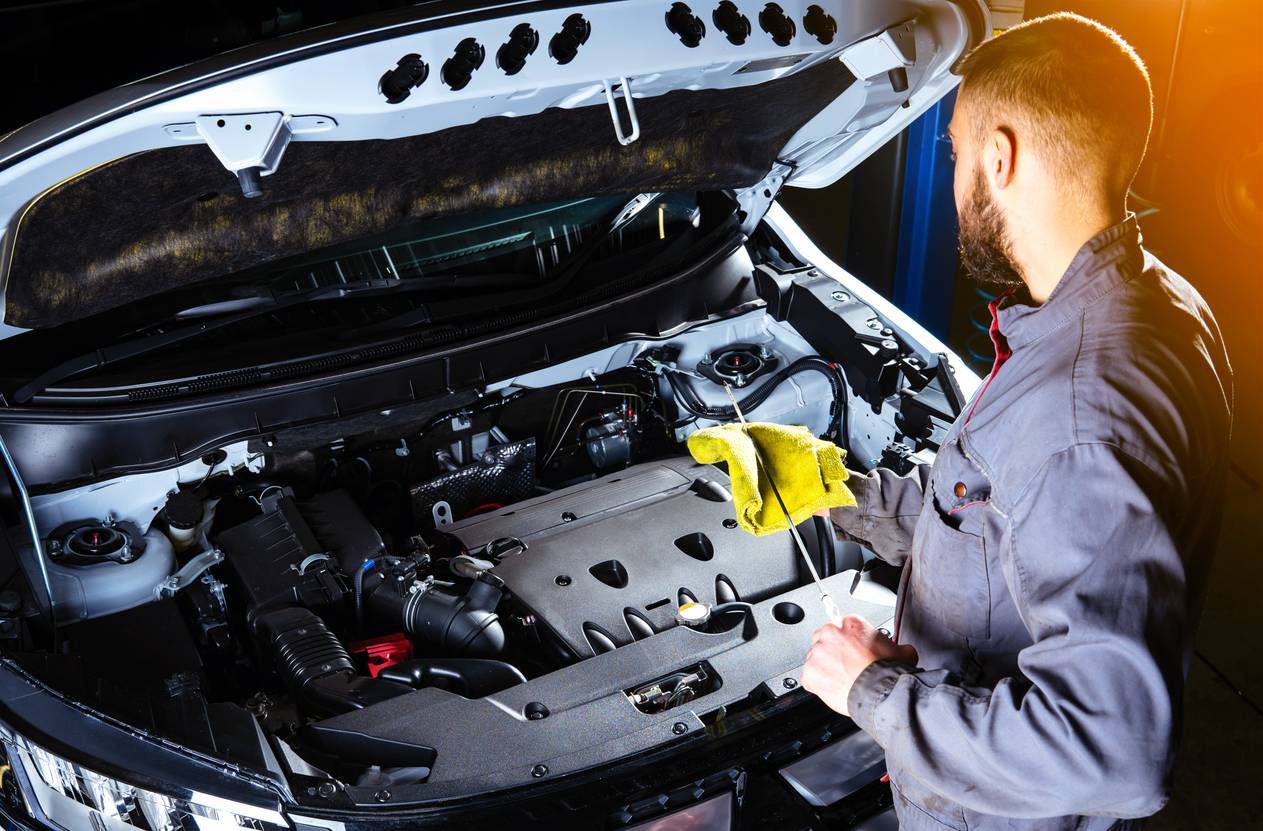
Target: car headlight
[73,797]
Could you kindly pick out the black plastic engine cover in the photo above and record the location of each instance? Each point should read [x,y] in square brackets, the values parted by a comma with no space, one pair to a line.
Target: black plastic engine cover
[627,545]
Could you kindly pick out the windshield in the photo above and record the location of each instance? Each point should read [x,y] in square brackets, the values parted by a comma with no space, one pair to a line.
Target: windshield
[522,246]
[446,271]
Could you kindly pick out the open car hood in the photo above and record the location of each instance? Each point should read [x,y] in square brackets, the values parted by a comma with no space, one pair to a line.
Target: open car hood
[344,131]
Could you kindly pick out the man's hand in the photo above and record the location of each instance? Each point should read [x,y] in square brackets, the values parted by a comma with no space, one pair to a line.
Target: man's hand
[840,653]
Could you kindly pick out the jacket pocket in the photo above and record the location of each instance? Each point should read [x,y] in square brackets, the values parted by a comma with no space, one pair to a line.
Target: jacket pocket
[950,576]
[920,810]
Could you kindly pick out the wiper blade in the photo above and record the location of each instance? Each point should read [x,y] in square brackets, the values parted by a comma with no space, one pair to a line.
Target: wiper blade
[556,281]
[108,355]
[262,298]
[572,264]
[229,312]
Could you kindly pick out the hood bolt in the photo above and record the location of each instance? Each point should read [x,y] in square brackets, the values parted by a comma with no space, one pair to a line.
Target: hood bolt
[539,771]
[790,683]
[382,796]
[679,728]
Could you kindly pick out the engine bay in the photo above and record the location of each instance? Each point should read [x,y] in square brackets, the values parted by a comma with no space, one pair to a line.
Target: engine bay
[537,572]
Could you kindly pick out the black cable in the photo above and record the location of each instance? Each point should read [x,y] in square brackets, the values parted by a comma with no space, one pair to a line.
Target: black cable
[687,397]
[359,593]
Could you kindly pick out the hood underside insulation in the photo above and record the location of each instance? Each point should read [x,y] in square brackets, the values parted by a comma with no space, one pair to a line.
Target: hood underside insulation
[171,218]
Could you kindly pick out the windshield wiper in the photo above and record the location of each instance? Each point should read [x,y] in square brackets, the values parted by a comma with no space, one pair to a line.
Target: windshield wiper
[263,298]
[224,313]
[555,281]
[230,312]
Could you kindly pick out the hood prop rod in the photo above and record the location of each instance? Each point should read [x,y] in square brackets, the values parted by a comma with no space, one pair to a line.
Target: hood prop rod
[28,513]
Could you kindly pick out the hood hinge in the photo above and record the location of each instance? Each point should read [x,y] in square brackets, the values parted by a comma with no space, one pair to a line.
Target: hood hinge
[890,52]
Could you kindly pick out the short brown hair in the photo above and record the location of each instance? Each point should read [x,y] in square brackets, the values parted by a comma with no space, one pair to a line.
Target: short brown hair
[1079,89]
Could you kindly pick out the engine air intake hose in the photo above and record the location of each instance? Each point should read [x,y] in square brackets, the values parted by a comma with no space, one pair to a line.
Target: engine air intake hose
[314,663]
[461,626]
[305,649]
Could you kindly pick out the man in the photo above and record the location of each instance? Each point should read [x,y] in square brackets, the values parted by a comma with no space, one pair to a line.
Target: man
[1054,553]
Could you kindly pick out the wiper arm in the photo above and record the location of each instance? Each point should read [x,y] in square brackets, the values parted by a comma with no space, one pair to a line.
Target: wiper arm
[263,298]
[123,351]
[557,279]
[572,264]
[222,315]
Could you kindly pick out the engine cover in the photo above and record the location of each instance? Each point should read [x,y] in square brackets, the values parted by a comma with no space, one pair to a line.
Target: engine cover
[606,561]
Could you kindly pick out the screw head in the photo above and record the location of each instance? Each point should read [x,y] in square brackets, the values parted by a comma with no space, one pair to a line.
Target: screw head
[568,516]
[539,771]
[813,273]
[790,683]
[730,523]
[562,580]
[874,324]
[679,728]
[326,789]
[382,796]
[840,296]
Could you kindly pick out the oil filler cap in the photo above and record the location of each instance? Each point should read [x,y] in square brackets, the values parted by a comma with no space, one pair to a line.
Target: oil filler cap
[692,614]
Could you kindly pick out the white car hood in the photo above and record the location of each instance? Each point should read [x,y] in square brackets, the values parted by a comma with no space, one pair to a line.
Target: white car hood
[248,111]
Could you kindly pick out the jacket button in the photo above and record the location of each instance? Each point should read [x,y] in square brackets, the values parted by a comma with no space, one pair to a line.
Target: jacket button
[960,489]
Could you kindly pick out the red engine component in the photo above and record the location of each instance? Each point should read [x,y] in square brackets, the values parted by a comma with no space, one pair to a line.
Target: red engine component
[382,652]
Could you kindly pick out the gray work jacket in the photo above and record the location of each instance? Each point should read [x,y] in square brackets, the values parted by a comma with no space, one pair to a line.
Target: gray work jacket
[1054,556]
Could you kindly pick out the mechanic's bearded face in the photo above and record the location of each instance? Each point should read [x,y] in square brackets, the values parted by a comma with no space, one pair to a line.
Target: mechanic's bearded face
[986,249]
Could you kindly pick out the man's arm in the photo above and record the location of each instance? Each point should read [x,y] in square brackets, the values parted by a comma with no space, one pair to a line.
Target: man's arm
[886,510]
[1091,729]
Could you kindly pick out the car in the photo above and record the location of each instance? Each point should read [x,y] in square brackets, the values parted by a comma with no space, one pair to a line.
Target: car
[347,381]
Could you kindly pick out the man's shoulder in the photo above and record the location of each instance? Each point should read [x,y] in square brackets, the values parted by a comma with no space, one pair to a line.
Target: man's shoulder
[1150,375]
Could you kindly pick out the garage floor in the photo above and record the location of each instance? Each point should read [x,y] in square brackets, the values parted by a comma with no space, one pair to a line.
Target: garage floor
[1219,775]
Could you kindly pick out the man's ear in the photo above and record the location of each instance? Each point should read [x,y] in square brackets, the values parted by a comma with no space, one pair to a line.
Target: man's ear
[1000,157]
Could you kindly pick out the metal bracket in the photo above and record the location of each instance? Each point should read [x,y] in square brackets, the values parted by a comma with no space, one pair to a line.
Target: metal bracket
[892,49]
[623,138]
[249,145]
[189,574]
[756,200]
[442,513]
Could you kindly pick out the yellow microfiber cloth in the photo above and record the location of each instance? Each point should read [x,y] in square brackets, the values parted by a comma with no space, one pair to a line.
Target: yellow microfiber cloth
[807,470]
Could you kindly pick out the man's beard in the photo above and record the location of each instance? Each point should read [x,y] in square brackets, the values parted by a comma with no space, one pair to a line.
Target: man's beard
[986,251]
